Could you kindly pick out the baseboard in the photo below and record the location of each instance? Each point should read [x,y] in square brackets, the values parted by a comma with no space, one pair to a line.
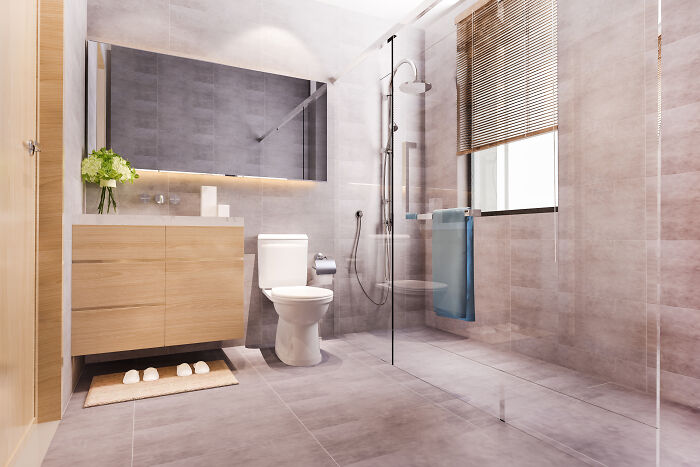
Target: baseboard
[34,445]
[13,455]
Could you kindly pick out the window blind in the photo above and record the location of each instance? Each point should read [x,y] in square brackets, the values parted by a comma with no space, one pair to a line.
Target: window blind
[506,73]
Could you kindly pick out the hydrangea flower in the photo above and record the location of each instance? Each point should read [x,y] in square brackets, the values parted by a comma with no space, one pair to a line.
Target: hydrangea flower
[90,166]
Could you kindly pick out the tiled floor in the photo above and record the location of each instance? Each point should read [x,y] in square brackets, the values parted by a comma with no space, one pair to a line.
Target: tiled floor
[355,409]
[597,421]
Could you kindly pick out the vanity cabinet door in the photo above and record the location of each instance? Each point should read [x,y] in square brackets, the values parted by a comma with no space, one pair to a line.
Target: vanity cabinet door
[204,284]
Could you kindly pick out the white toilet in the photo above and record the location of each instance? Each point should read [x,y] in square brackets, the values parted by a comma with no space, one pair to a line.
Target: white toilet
[282,260]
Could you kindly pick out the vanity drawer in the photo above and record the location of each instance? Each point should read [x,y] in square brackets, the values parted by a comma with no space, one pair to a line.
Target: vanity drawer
[117,329]
[118,242]
[100,285]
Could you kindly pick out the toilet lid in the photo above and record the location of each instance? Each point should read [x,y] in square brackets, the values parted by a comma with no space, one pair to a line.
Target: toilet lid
[301,292]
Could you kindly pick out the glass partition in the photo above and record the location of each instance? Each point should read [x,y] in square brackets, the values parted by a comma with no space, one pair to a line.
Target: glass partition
[676,249]
[561,269]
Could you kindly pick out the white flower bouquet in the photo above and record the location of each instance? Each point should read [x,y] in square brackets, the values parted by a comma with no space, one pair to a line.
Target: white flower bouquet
[107,168]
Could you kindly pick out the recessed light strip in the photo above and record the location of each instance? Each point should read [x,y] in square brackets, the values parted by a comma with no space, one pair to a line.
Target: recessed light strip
[216,175]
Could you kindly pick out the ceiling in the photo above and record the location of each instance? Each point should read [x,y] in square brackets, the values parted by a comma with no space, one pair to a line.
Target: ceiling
[387,9]
[397,10]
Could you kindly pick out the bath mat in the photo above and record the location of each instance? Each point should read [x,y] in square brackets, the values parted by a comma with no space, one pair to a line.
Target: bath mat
[109,389]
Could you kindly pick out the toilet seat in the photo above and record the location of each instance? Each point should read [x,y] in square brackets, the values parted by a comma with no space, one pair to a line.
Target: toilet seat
[300,293]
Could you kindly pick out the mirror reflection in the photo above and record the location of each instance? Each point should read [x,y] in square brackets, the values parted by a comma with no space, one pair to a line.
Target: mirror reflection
[169,113]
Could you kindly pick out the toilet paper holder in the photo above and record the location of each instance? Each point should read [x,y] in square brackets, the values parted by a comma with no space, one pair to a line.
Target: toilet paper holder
[323,265]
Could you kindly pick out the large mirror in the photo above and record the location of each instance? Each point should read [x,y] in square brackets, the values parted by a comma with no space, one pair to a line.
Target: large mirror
[168,113]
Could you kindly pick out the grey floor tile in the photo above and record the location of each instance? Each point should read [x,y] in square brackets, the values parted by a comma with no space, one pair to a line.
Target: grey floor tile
[497,446]
[373,437]
[93,436]
[361,403]
[189,427]
[294,450]
[679,435]
[625,401]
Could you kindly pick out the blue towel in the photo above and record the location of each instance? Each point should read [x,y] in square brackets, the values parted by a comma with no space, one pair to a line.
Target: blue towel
[453,264]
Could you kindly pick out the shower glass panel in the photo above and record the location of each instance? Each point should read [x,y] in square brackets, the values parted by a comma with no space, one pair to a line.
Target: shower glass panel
[563,344]
[362,284]
[678,236]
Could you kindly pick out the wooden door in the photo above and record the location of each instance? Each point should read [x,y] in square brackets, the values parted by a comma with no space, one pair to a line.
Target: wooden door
[18,62]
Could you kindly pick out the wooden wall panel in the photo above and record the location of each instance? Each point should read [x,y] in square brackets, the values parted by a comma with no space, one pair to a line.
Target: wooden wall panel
[18,51]
[50,211]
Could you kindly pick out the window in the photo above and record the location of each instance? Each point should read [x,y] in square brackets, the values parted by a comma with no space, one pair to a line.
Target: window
[507,103]
[517,175]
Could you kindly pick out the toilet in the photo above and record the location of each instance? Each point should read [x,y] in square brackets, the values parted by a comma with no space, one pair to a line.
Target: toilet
[282,267]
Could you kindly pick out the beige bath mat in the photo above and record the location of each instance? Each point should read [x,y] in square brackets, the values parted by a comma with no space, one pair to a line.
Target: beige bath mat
[108,389]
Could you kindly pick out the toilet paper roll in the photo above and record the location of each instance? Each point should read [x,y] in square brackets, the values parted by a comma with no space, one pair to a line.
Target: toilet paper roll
[325,266]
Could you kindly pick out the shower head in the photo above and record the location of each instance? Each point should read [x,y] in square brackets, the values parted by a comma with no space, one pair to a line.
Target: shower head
[415,87]
[411,87]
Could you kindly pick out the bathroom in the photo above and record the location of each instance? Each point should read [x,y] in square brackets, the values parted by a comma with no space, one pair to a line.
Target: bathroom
[437,232]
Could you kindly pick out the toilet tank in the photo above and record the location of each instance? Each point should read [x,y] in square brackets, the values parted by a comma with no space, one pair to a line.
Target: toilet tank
[282,260]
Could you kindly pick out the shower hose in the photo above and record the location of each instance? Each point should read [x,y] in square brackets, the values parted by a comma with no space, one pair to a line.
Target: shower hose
[358,230]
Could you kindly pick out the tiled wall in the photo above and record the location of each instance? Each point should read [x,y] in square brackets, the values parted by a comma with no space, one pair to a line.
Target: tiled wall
[679,305]
[75,31]
[571,288]
[309,40]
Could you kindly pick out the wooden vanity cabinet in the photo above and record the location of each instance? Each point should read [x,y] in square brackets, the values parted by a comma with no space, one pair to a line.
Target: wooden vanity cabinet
[136,287]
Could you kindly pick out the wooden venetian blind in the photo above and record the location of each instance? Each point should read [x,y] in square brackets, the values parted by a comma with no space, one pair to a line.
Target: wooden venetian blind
[506,73]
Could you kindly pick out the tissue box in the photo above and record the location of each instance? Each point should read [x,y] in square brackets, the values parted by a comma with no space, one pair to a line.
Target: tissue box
[223,210]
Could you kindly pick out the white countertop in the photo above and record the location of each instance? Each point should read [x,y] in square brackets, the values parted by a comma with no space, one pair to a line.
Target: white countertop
[128,219]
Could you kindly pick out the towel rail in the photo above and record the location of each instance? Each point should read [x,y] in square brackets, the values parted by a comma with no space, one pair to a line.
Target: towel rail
[429,215]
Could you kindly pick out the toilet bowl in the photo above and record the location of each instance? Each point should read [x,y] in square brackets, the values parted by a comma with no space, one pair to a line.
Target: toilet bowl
[300,309]
[282,267]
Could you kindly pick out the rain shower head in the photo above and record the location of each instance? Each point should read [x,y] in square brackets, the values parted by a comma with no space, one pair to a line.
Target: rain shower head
[415,87]
[411,87]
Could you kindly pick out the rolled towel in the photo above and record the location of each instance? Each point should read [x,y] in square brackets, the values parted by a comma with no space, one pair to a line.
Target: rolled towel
[150,374]
[183,369]
[131,377]
[201,368]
